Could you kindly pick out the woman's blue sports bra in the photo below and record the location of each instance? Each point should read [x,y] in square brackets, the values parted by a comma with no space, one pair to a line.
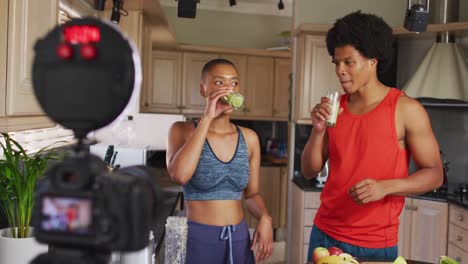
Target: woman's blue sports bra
[218,180]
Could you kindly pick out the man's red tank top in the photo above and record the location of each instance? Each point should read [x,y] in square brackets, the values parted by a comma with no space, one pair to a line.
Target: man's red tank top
[360,147]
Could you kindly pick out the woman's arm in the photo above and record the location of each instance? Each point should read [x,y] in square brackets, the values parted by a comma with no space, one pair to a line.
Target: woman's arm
[184,146]
[263,235]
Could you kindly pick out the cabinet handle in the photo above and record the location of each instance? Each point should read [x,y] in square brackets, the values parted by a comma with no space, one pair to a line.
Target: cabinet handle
[460,218]
[407,207]
[458,259]
[415,208]
[459,238]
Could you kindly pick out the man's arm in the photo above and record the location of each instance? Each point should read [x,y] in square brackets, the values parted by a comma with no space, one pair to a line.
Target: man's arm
[424,149]
[420,140]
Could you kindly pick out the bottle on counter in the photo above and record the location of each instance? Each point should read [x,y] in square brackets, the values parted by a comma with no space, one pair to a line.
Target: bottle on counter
[125,132]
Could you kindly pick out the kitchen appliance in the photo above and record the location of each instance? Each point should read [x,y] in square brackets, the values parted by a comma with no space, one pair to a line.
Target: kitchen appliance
[442,72]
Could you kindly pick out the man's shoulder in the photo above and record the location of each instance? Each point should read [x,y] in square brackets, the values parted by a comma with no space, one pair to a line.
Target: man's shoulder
[411,109]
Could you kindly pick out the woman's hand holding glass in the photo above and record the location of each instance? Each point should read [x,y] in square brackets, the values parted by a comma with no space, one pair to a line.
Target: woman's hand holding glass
[214,106]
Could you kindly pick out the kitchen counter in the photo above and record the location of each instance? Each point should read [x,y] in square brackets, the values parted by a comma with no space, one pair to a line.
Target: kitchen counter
[305,184]
[309,186]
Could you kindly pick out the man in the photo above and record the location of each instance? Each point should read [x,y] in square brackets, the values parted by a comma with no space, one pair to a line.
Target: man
[368,150]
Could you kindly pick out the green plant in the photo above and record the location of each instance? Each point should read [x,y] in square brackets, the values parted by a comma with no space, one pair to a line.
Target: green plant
[19,173]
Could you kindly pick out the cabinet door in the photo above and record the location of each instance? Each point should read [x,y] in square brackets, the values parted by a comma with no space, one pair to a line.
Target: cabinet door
[429,230]
[281,92]
[192,101]
[259,90]
[240,61]
[270,188]
[315,74]
[165,93]
[3,52]
[28,21]
[404,232]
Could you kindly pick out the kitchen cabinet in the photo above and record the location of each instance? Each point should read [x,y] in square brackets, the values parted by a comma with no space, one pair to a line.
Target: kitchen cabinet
[241,64]
[192,101]
[272,182]
[281,98]
[259,92]
[305,206]
[3,52]
[314,75]
[176,82]
[423,230]
[20,29]
[165,93]
[458,234]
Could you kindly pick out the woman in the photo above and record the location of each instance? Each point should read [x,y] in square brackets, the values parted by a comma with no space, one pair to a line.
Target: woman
[216,162]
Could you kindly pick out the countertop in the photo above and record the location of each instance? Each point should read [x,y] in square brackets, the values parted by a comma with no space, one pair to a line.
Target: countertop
[309,186]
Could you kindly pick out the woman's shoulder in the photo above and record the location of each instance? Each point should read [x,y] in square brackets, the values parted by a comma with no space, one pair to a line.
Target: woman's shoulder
[182,127]
[249,134]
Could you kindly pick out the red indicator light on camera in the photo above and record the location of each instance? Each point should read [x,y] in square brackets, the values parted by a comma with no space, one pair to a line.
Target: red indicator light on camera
[64,51]
[81,34]
[88,52]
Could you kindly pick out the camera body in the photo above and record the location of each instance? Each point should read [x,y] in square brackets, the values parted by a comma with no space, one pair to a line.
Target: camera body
[84,206]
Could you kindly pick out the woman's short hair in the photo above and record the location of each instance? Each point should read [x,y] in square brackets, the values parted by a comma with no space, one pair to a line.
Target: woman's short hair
[209,65]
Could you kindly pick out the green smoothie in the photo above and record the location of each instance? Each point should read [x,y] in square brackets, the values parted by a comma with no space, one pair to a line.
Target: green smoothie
[235,100]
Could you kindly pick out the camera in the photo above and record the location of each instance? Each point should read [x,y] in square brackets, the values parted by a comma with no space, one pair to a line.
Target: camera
[84,74]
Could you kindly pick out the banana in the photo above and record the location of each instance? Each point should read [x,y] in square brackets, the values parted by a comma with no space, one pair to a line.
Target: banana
[400,260]
[337,260]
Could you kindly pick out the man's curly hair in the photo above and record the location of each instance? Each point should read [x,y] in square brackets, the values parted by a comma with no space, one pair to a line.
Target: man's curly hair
[367,33]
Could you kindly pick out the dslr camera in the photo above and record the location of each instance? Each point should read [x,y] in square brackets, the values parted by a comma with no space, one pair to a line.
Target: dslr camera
[84,75]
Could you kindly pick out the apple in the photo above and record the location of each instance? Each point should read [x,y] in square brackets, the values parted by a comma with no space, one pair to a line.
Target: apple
[318,253]
[335,251]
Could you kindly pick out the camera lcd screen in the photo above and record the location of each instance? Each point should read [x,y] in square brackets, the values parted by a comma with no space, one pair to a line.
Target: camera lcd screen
[67,215]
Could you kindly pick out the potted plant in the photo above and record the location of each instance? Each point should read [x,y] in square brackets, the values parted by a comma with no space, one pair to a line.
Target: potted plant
[19,172]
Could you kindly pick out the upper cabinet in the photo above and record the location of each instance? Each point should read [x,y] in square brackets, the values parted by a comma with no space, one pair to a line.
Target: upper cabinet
[314,75]
[281,102]
[176,84]
[3,52]
[166,76]
[192,101]
[22,23]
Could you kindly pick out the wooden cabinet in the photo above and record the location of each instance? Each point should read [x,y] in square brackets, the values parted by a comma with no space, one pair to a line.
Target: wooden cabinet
[192,101]
[3,52]
[241,64]
[259,90]
[272,181]
[26,20]
[305,206]
[416,241]
[165,94]
[175,85]
[458,234]
[314,75]
[281,98]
